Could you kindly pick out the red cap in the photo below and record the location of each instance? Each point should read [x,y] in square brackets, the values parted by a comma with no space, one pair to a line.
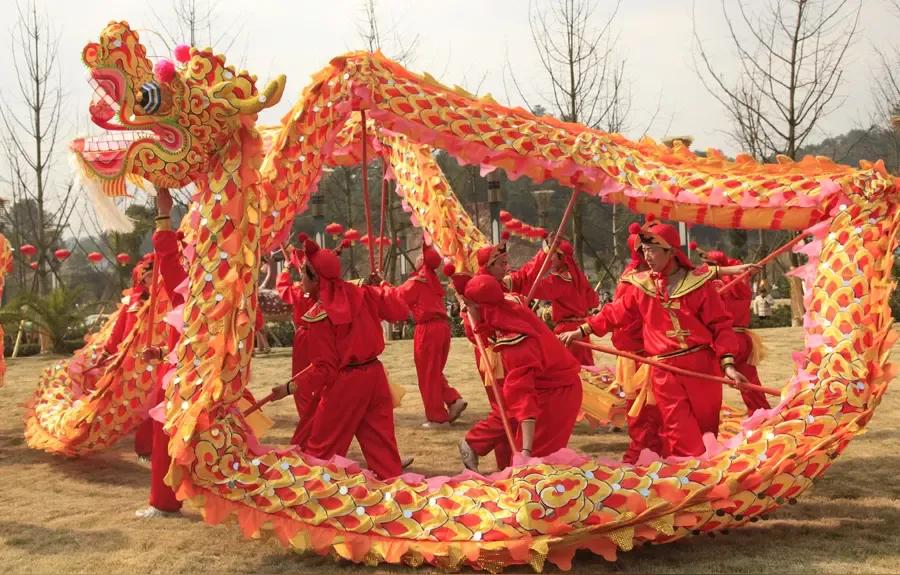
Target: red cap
[431,258]
[324,262]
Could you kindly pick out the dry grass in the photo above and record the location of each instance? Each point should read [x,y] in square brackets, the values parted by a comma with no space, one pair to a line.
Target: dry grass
[60,515]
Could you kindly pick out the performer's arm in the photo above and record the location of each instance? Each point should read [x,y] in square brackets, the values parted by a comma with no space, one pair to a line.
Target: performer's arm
[716,318]
[166,246]
[389,303]
[520,280]
[325,362]
[617,313]
[118,331]
[284,285]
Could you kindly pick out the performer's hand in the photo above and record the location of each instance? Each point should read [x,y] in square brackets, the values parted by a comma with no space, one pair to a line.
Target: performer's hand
[280,392]
[567,337]
[151,354]
[735,376]
[163,201]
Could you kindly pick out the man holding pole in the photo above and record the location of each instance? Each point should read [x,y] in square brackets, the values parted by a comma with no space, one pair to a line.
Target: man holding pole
[685,325]
[569,292]
[167,254]
[541,389]
[737,299]
[344,340]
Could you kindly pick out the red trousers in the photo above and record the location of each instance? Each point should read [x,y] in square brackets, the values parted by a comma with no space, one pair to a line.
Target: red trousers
[161,495]
[644,432]
[553,427]
[488,435]
[689,407]
[306,405]
[753,399]
[143,438]
[584,355]
[431,346]
[358,403]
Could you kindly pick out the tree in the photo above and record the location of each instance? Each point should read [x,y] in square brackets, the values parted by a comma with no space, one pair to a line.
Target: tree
[587,82]
[55,314]
[790,68]
[30,137]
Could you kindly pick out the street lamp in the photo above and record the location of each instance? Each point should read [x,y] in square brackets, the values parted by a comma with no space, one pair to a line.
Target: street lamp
[317,206]
[542,199]
[495,198]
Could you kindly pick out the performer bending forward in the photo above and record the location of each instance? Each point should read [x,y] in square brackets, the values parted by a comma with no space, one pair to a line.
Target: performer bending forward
[542,390]
[685,325]
[344,341]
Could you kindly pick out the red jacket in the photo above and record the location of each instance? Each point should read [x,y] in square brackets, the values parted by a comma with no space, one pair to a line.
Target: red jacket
[423,301]
[292,293]
[695,315]
[332,347]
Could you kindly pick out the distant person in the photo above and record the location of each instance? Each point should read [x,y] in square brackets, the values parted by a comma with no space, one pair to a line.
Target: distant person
[763,303]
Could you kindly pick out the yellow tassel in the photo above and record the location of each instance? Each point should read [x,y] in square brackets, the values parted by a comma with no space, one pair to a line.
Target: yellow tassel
[758,351]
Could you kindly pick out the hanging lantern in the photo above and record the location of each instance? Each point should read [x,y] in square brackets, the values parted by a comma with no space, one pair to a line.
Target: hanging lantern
[505,216]
[28,250]
[364,240]
[62,254]
[33,265]
[95,257]
[123,258]
[352,235]
[334,229]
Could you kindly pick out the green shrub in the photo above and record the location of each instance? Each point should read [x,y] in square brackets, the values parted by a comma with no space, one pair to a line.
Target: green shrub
[281,332]
[781,317]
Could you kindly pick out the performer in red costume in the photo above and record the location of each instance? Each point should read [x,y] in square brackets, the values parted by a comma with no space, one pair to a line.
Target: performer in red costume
[685,324]
[541,390]
[344,340]
[167,248]
[569,292]
[737,301]
[644,420]
[292,292]
[424,295]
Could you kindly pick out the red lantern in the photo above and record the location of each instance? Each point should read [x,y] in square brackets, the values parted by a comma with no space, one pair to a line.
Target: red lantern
[33,265]
[514,225]
[28,250]
[95,257]
[364,240]
[62,254]
[123,258]
[505,216]
[334,229]
[352,235]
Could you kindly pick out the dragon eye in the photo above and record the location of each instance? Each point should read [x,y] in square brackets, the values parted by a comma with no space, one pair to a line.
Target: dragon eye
[150,97]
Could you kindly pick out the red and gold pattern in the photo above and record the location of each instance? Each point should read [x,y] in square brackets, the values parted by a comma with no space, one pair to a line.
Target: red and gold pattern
[567,502]
[89,402]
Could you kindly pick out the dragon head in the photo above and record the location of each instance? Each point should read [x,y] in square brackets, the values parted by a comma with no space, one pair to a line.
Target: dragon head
[162,125]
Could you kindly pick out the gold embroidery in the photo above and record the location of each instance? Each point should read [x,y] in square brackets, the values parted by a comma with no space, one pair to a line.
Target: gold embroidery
[676,331]
[315,314]
[508,341]
[691,281]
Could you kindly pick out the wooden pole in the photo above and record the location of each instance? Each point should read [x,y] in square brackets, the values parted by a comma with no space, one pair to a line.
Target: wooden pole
[498,393]
[678,370]
[19,334]
[384,189]
[267,399]
[365,187]
[545,265]
[743,275]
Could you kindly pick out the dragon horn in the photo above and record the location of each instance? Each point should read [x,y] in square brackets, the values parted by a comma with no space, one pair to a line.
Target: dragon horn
[267,98]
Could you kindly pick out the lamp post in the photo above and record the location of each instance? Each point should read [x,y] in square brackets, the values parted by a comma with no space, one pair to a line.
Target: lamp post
[317,207]
[542,199]
[495,198]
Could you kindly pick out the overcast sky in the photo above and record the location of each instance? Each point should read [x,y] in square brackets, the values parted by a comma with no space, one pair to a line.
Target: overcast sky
[463,41]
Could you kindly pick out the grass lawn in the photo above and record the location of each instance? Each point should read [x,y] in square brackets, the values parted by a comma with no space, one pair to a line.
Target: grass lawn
[64,516]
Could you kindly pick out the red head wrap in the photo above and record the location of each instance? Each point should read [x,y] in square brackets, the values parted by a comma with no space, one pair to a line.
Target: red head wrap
[488,254]
[498,312]
[338,297]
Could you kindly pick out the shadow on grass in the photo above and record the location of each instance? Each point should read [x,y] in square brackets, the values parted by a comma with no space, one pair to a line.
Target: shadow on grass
[41,540]
[108,468]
